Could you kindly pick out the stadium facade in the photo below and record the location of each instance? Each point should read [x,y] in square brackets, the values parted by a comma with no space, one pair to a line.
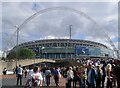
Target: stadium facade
[67,48]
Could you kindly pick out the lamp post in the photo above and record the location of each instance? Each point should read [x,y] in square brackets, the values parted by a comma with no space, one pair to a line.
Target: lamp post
[17,43]
[34,49]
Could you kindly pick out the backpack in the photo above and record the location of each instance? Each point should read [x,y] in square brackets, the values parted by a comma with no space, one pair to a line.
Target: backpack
[48,75]
[35,81]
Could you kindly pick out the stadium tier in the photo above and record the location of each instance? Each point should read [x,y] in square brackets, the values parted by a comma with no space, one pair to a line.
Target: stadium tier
[67,48]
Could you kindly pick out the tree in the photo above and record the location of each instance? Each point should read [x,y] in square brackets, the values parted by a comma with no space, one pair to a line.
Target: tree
[12,54]
[25,53]
[22,53]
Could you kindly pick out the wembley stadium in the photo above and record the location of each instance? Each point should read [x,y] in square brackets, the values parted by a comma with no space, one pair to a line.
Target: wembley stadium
[67,48]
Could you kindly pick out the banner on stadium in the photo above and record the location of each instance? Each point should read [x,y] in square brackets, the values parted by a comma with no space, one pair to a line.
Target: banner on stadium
[81,50]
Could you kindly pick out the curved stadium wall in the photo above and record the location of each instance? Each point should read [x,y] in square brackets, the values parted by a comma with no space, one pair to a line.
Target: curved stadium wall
[67,48]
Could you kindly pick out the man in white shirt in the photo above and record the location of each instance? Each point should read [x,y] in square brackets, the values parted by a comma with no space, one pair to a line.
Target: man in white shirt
[30,71]
[19,74]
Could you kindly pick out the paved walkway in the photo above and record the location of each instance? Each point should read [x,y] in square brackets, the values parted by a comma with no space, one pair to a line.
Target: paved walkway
[9,81]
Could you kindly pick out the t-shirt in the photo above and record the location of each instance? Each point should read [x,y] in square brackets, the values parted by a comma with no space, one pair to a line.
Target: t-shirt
[30,72]
[70,74]
[55,73]
[47,72]
[20,70]
[37,77]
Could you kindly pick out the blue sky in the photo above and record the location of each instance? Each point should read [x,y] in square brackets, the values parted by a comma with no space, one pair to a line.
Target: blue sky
[55,24]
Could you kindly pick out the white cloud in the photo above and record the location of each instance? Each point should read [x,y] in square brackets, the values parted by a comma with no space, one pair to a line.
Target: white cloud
[55,24]
[54,37]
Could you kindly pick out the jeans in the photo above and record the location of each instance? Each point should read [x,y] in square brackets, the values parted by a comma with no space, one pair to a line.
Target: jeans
[109,83]
[56,80]
[83,83]
[103,81]
[69,83]
[19,77]
[48,80]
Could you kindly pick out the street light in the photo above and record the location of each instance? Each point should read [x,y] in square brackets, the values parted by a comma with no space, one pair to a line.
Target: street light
[17,28]
[34,52]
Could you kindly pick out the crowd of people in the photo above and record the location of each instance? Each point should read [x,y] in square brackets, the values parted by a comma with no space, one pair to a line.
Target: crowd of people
[91,74]
[36,76]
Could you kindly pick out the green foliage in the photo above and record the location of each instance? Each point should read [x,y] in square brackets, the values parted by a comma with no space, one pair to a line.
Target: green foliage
[11,55]
[25,53]
[22,53]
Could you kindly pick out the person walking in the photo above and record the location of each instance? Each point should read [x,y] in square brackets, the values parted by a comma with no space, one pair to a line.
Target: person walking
[79,74]
[75,78]
[35,79]
[69,78]
[117,74]
[84,76]
[19,74]
[16,71]
[43,73]
[30,72]
[109,78]
[99,77]
[48,75]
[113,75]
[103,75]
[91,76]
[56,76]
[25,72]
[4,71]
